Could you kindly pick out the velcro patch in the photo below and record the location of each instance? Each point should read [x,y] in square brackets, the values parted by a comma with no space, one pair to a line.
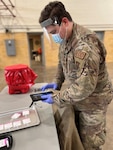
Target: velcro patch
[80,54]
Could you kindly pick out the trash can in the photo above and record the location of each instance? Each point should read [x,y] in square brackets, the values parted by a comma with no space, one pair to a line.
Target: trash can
[19,78]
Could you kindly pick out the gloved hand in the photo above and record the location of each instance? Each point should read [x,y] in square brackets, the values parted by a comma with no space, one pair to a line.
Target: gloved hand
[49,86]
[47,98]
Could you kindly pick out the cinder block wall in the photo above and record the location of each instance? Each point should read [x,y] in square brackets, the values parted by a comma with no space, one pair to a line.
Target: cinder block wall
[108,41]
[22,53]
[51,49]
[51,52]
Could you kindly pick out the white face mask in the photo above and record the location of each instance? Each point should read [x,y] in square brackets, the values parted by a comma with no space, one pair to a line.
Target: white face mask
[57,39]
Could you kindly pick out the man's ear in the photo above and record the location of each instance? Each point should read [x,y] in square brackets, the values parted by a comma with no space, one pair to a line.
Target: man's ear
[65,21]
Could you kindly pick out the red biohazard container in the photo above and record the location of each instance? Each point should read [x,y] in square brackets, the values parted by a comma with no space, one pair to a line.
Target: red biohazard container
[19,78]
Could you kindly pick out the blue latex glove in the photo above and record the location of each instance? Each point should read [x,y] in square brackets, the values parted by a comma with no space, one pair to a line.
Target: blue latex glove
[47,98]
[49,86]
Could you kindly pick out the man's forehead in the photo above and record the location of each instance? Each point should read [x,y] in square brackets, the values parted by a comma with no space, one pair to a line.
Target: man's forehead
[46,22]
[50,28]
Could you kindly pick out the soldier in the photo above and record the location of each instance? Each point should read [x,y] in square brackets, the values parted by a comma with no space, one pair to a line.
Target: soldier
[82,62]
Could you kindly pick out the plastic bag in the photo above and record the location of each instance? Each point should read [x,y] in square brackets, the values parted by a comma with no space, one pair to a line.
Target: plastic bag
[19,78]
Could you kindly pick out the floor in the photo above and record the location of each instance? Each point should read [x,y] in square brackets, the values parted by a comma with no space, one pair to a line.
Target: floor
[47,74]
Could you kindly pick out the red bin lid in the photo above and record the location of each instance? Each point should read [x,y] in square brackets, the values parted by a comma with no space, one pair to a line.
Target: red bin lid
[16,67]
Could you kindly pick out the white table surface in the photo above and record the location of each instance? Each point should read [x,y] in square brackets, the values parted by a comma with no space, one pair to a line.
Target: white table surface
[41,137]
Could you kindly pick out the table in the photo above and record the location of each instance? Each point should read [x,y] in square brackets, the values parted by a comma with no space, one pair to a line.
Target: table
[41,137]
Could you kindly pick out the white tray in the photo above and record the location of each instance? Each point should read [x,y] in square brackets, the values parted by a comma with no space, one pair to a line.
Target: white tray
[19,119]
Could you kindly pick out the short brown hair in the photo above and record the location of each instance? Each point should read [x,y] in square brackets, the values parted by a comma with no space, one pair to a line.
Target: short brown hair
[54,10]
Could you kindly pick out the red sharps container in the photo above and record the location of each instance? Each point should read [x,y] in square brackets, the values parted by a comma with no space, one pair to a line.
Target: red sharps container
[19,78]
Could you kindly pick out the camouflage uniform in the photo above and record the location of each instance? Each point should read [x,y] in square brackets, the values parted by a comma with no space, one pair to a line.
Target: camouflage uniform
[82,63]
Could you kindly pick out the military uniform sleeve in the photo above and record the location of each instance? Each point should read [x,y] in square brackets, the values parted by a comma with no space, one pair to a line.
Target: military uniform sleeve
[59,78]
[87,63]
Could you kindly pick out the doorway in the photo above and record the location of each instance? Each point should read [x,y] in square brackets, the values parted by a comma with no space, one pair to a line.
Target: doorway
[36,49]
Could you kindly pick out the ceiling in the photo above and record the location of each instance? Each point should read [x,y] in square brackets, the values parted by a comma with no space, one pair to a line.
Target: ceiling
[6,8]
[24,14]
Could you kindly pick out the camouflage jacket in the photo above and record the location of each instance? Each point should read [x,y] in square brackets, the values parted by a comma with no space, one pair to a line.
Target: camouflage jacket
[82,63]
